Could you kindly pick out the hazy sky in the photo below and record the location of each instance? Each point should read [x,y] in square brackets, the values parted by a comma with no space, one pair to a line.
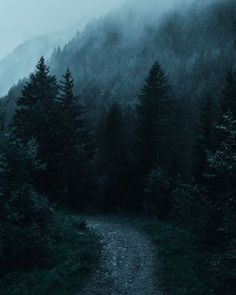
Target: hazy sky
[23,19]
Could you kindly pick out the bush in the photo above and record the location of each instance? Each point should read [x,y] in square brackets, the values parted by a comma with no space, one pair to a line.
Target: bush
[25,236]
[188,206]
[157,193]
[74,255]
[25,215]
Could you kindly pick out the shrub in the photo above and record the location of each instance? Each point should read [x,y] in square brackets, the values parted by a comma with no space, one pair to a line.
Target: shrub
[25,215]
[157,193]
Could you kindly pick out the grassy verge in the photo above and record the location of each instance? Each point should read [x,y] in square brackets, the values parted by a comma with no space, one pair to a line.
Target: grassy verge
[75,255]
[184,267]
[182,264]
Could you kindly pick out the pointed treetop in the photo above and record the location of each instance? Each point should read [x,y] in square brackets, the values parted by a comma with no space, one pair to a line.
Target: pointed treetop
[66,86]
[68,78]
[41,68]
[156,82]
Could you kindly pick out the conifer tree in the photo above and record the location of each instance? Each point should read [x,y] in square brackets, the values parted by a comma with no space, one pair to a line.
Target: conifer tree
[73,144]
[229,94]
[153,119]
[204,139]
[25,215]
[36,104]
[112,161]
[35,118]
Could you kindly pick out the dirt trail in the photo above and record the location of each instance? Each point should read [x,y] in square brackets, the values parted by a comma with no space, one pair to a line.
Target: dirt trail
[127,264]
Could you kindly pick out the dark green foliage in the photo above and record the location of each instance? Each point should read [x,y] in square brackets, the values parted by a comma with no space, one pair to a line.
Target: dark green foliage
[35,118]
[25,215]
[221,177]
[152,123]
[184,267]
[112,160]
[158,193]
[229,94]
[221,170]
[188,207]
[50,113]
[200,203]
[74,257]
[204,139]
[35,106]
[74,152]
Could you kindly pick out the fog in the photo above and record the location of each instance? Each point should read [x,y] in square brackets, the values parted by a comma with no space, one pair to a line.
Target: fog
[24,19]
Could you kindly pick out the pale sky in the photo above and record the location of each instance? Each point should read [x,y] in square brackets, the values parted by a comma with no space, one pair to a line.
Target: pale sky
[24,19]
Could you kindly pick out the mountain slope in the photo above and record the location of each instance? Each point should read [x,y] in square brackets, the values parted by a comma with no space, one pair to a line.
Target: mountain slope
[196,45]
[113,55]
[20,63]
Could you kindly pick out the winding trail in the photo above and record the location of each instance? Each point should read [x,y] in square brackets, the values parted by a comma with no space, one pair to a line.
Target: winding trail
[128,260]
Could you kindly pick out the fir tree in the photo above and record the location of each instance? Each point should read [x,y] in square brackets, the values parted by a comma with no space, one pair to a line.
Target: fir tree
[36,105]
[229,94]
[25,215]
[35,118]
[112,163]
[204,139]
[153,121]
[73,145]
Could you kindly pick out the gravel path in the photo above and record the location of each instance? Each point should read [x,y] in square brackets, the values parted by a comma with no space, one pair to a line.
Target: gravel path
[127,264]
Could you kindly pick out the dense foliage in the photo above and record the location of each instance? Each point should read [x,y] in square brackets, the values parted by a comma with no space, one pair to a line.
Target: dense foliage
[169,151]
[45,156]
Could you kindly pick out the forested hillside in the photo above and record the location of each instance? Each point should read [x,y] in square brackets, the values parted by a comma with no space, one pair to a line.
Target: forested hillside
[114,54]
[135,115]
[18,64]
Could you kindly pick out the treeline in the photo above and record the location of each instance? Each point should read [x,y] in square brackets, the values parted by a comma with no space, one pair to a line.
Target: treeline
[45,156]
[193,190]
[144,161]
[135,158]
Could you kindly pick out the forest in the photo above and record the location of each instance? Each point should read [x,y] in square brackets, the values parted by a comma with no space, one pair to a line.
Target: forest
[133,117]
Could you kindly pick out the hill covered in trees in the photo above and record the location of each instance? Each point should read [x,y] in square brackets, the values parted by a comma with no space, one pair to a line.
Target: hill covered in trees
[20,63]
[143,121]
[113,55]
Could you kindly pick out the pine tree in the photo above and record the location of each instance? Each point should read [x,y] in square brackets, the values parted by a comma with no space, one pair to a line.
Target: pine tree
[25,215]
[74,147]
[221,168]
[221,204]
[112,162]
[35,118]
[204,139]
[229,94]
[36,104]
[153,119]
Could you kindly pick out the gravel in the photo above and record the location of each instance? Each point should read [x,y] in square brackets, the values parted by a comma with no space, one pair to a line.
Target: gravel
[128,260]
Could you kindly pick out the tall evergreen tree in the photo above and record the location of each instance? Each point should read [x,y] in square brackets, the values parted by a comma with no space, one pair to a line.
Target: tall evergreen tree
[204,139]
[229,94]
[112,162]
[36,105]
[153,121]
[74,147]
[221,204]
[35,117]
[25,215]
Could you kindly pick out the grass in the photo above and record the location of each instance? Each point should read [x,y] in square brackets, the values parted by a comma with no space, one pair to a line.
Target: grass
[75,255]
[184,267]
[182,264]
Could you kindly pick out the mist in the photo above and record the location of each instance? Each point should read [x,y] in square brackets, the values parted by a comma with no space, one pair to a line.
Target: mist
[21,20]
[36,28]
[31,18]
